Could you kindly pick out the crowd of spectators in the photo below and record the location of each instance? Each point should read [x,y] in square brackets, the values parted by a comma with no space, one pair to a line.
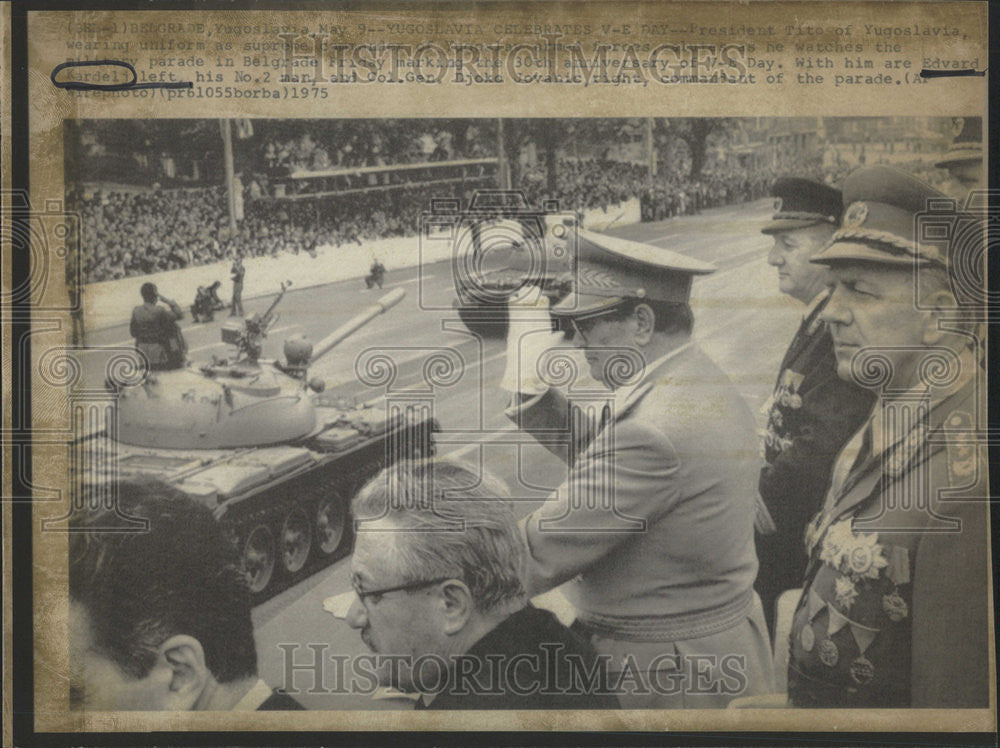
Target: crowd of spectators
[136,233]
[377,143]
[128,233]
[592,183]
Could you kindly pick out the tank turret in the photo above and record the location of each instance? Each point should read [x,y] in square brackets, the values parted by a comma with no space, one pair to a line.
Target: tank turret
[244,402]
[259,442]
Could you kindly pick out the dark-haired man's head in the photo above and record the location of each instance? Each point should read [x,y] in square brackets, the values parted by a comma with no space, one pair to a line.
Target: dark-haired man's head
[629,302]
[149,293]
[159,619]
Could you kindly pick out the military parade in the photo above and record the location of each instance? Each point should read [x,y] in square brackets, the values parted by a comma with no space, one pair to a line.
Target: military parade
[724,456]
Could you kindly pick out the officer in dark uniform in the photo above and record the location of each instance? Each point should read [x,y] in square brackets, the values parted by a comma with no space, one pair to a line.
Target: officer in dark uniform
[812,412]
[964,158]
[894,611]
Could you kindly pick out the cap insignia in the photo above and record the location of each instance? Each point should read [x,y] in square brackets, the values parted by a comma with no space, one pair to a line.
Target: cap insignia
[777,204]
[597,279]
[855,214]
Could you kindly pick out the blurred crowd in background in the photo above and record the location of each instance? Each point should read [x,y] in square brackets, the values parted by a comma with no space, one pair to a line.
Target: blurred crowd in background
[147,209]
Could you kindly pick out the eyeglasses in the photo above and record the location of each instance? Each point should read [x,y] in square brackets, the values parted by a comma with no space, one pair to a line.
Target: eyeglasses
[584,326]
[363,593]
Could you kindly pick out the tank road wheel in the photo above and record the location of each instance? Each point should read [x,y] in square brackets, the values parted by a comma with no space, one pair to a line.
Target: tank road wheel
[331,518]
[296,540]
[259,557]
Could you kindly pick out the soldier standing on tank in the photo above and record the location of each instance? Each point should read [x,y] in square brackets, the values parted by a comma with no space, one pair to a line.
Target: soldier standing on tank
[155,329]
[812,412]
[238,272]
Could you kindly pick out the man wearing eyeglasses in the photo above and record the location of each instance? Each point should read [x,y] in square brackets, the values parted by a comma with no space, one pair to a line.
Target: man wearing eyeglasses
[651,535]
[439,598]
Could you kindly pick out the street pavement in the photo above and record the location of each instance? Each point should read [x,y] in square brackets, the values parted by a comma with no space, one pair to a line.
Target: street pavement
[740,320]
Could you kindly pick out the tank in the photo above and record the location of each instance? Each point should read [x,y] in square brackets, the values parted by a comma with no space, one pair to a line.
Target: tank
[503,246]
[274,456]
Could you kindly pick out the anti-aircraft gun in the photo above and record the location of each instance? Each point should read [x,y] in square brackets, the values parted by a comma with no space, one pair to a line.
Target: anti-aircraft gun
[260,443]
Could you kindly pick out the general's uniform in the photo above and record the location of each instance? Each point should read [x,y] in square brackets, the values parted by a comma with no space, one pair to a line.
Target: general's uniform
[660,567]
[810,415]
[895,606]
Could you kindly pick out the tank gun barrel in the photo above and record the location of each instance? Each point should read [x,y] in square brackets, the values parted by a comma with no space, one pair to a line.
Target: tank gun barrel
[354,323]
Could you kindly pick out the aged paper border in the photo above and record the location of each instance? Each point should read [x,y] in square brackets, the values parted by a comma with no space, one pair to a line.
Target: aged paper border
[47,47]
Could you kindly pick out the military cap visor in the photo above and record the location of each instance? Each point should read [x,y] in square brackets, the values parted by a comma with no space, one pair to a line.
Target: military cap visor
[840,252]
[610,270]
[965,154]
[968,144]
[880,221]
[800,203]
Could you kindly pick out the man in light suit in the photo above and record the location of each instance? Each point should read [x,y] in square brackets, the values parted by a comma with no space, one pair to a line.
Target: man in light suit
[652,532]
[895,609]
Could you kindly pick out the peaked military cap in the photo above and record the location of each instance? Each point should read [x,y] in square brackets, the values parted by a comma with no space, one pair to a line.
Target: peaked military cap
[799,203]
[610,270]
[967,145]
[881,220]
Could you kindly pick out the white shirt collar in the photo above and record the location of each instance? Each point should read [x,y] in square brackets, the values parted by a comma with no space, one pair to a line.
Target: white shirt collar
[252,699]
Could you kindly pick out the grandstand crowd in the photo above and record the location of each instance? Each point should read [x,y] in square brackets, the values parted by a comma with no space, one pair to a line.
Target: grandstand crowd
[137,231]
[380,143]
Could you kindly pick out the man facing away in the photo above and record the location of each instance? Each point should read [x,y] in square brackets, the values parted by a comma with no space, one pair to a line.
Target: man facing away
[237,274]
[895,607]
[156,332]
[652,532]
[436,574]
[159,619]
[812,412]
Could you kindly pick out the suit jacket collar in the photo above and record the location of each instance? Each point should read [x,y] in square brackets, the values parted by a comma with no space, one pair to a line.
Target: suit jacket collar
[811,325]
[629,396]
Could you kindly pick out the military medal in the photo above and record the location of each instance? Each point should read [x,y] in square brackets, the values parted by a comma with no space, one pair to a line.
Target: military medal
[795,401]
[862,671]
[829,655]
[808,638]
[846,592]
[895,607]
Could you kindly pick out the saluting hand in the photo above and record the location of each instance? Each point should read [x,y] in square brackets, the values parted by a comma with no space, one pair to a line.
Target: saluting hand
[529,336]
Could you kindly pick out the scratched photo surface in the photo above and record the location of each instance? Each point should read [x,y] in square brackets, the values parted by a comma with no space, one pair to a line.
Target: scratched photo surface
[577,366]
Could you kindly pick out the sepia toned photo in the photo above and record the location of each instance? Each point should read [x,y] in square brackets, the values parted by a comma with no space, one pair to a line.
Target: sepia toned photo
[380,381]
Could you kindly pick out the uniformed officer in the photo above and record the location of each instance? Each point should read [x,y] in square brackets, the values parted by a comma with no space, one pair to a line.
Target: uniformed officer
[812,412]
[964,158]
[652,533]
[894,610]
